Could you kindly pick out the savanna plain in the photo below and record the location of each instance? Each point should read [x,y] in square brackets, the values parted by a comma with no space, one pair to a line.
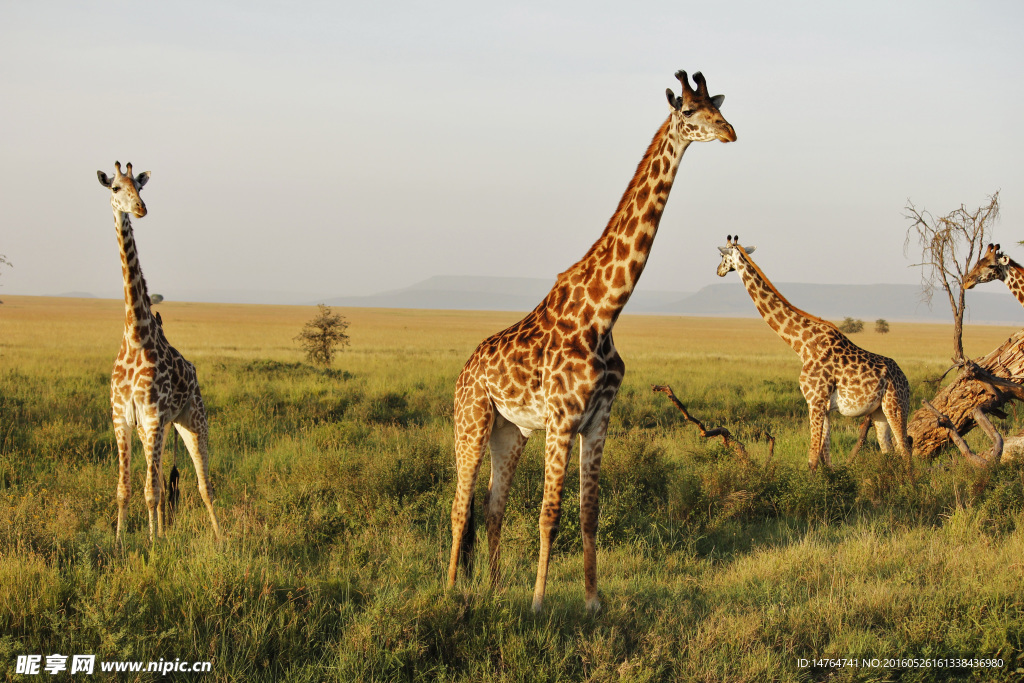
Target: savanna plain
[334,490]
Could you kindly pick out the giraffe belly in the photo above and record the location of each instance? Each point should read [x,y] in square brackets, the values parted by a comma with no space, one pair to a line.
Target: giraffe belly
[527,417]
[854,406]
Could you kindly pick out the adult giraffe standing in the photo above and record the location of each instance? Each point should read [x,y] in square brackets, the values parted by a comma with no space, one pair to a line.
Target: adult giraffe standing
[557,369]
[152,385]
[836,372]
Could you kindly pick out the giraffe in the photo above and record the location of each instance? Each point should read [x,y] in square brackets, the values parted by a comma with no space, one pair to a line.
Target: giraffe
[836,374]
[152,386]
[995,265]
[557,369]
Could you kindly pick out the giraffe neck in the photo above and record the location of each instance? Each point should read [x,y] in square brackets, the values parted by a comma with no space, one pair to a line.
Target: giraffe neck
[609,271]
[1015,280]
[788,321]
[139,327]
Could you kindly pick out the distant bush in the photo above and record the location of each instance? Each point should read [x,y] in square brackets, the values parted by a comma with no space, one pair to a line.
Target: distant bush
[321,335]
[881,326]
[851,326]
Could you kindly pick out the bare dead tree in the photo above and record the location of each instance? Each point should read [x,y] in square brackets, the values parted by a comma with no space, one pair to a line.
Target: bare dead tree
[949,246]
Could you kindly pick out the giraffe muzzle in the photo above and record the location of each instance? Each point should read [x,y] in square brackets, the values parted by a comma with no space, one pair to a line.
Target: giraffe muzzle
[728,135]
[139,210]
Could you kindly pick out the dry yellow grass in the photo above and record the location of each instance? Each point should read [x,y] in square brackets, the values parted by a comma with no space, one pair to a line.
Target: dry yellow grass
[45,325]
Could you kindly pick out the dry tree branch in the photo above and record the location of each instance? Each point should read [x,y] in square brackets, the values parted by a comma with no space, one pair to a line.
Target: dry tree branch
[978,460]
[861,439]
[727,440]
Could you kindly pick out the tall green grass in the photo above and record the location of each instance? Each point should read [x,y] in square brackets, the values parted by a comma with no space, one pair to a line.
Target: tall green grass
[334,490]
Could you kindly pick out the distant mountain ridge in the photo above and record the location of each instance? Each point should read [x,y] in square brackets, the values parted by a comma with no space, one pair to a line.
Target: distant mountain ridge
[726,299]
[486,293]
[992,305]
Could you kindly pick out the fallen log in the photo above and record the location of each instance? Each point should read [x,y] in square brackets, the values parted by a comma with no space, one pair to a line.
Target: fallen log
[985,384]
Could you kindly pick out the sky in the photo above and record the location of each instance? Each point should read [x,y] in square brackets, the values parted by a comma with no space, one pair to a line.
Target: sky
[326,149]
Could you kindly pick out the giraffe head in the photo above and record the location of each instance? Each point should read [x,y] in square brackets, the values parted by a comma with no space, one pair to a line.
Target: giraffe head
[124,189]
[991,266]
[732,255]
[696,113]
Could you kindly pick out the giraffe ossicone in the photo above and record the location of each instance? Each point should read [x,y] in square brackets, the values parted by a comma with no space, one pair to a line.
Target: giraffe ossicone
[152,387]
[557,369]
[836,373]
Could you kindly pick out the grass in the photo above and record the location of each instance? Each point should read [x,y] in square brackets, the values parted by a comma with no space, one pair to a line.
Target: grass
[334,490]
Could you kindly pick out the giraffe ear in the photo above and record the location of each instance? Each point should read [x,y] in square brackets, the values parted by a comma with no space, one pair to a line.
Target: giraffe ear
[1004,260]
[717,101]
[673,101]
[724,250]
[749,250]
[104,180]
[142,179]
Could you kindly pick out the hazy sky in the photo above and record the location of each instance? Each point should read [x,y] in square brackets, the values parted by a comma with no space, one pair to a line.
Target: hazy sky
[341,148]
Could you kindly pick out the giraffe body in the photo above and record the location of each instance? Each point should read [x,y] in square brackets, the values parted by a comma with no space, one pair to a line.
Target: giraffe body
[557,369]
[152,386]
[836,374]
[995,265]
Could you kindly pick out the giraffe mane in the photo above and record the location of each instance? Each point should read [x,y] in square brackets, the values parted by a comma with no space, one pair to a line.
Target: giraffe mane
[774,289]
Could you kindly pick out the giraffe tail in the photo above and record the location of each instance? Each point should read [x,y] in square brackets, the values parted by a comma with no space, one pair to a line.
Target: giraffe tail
[468,544]
[173,492]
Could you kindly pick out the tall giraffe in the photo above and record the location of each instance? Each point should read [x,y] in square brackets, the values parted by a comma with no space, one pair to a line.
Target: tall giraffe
[995,265]
[152,385]
[557,369]
[836,374]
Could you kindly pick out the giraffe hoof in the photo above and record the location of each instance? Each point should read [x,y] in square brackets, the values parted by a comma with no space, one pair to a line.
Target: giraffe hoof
[538,605]
[593,605]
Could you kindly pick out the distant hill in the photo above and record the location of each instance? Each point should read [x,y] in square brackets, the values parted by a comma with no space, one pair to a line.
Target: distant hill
[867,302]
[487,294]
[726,299]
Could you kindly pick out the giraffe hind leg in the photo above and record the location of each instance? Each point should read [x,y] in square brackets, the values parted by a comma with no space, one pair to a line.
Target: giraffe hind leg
[474,416]
[194,434]
[896,408]
[506,444]
[882,430]
[154,444]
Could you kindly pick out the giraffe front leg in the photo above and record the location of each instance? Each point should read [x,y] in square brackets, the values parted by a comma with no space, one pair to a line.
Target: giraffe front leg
[591,451]
[154,479]
[556,456]
[819,435]
[124,464]
[506,444]
[194,433]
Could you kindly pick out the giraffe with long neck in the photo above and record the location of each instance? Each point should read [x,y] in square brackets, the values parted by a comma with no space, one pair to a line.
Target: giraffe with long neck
[836,373]
[557,369]
[152,386]
[995,265]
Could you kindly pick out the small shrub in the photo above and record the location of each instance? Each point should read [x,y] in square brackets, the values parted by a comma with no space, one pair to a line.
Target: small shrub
[882,326]
[321,335]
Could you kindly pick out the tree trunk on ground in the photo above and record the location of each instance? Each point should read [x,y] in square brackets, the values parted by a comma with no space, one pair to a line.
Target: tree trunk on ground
[986,383]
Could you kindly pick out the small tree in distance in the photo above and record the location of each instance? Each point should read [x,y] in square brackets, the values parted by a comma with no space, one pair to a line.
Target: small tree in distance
[851,326]
[156,298]
[321,335]
[881,326]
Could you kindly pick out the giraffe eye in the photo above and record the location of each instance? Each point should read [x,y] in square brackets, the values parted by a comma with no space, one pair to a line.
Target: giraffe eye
[688,113]
[115,189]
